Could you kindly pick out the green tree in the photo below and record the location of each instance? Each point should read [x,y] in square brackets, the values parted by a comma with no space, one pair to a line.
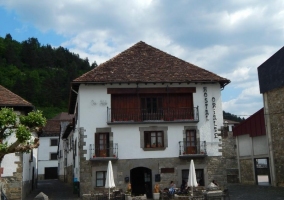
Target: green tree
[19,128]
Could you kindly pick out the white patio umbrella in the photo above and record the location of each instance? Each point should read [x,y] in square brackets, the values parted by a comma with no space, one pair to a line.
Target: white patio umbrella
[109,178]
[192,177]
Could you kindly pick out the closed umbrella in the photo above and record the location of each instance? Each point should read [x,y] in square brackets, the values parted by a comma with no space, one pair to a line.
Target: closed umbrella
[192,177]
[109,178]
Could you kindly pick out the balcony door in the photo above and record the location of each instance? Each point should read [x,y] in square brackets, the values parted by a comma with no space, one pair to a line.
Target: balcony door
[151,108]
[102,144]
[191,142]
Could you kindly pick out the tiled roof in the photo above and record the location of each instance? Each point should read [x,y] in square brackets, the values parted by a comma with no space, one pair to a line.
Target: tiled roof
[8,98]
[146,64]
[52,127]
[64,116]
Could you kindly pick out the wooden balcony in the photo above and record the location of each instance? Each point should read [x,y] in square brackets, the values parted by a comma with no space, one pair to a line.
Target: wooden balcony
[101,154]
[192,151]
[167,115]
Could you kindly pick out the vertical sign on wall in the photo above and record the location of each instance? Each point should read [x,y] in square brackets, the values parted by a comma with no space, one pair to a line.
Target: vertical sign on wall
[206,102]
[214,117]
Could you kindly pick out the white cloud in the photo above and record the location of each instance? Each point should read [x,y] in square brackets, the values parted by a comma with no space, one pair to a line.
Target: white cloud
[231,38]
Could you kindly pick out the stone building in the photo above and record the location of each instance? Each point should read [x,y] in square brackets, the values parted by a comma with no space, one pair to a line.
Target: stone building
[271,83]
[150,113]
[18,170]
[229,151]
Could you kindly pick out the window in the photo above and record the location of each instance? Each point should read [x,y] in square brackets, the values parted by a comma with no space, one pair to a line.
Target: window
[100,178]
[31,155]
[102,144]
[154,139]
[151,108]
[53,142]
[199,176]
[53,156]
[191,142]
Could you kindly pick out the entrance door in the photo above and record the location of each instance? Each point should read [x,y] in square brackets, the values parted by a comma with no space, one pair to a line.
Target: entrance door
[50,173]
[141,181]
[262,173]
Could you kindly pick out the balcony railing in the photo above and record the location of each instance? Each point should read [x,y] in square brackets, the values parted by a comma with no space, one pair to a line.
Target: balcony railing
[187,149]
[142,115]
[101,152]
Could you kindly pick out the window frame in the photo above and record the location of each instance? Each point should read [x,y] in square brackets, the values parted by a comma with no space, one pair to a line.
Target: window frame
[151,139]
[103,179]
[52,142]
[163,129]
[52,154]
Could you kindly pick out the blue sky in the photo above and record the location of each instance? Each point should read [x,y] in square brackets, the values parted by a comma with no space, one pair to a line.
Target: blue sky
[230,38]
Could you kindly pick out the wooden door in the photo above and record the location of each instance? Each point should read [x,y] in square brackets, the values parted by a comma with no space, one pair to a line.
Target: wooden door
[102,144]
[191,143]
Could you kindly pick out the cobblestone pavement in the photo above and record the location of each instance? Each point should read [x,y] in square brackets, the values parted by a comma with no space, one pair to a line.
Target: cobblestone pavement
[255,192]
[54,189]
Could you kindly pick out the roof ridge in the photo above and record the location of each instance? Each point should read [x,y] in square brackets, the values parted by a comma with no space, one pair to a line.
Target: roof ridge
[144,63]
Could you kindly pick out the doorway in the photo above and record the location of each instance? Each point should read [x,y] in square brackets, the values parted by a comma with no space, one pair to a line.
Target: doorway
[50,173]
[262,173]
[141,181]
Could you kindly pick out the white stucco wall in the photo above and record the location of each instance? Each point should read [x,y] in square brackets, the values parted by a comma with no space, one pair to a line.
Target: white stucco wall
[260,145]
[44,154]
[94,100]
[69,153]
[244,145]
[8,162]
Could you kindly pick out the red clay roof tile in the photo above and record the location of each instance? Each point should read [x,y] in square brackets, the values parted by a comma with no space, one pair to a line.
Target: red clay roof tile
[8,98]
[144,63]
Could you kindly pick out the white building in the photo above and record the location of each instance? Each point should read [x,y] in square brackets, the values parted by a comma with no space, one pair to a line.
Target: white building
[18,170]
[47,155]
[68,153]
[150,113]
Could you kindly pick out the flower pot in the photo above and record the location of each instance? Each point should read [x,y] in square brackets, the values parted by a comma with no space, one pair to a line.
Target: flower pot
[156,195]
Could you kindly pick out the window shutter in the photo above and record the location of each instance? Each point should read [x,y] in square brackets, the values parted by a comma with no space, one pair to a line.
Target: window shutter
[97,142]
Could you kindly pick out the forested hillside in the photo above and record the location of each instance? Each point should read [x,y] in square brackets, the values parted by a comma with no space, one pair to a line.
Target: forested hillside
[229,116]
[39,73]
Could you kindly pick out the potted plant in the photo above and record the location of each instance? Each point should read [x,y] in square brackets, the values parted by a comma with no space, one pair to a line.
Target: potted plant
[156,192]
[128,192]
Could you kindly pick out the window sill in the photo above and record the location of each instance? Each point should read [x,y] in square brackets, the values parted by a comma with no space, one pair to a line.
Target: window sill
[154,149]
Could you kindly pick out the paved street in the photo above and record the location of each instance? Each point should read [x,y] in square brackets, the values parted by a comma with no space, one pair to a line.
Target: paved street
[57,190]
[254,192]
[54,189]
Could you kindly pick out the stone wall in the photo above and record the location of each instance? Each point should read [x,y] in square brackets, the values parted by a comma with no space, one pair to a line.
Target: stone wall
[246,171]
[275,101]
[85,167]
[213,168]
[69,174]
[13,185]
[229,153]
